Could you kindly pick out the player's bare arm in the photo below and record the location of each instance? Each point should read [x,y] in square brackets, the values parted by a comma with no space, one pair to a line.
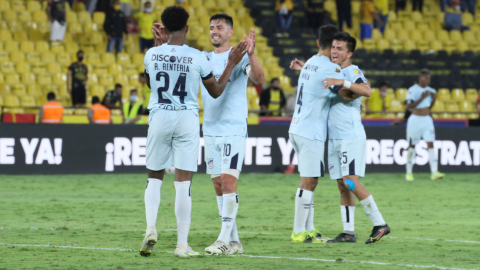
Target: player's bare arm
[297,64]
[215,88]
[360,89]
[414,104]
[256,71]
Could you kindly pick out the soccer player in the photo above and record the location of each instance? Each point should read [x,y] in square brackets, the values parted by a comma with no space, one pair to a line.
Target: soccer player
[420,99]
[225,128]
[308,131]
[174,72]
[346,144]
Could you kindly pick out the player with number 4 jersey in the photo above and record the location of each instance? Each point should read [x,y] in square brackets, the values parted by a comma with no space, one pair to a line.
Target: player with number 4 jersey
[308,131]
[346,144]
[173,72]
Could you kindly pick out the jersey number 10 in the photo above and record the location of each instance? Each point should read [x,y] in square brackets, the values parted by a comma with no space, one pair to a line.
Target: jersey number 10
[178,90]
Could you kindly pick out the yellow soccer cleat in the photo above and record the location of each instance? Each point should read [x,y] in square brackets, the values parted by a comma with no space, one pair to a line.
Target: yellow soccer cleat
[148,242]
[409,177]
[437,175]
[306,237]
[185,251]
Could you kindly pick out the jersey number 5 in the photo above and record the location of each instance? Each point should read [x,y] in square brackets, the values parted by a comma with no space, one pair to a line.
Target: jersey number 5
[178,90]
[299,101]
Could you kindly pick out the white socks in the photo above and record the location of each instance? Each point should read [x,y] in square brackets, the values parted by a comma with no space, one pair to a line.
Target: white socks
[183,210]
[152,200]
[432,159]
[229,214]
[234,234]
[309,226]
[303,199]
[348,217]
[372,212]
[410,155]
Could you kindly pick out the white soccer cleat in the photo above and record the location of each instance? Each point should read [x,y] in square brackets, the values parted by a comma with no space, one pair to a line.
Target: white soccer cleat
[148,242]
[237,247]
[220,248]
[185,251]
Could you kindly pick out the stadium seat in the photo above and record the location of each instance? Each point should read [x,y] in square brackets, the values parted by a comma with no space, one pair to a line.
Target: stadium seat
[28,101]
[92,59]
[473,116]
[44,79]
[467,18]
[99,17]
[42,46]
[7,68]
[22,67]
[460,116]
[410,45]
[84,17]
[27,46]
[64,59]
[12,79]
[416,16]
[2,102]
[383,44]
[401,94]
[4,56]
[457,94]
[34,6]
[466,106]
[439,106]
[443,94]
[11,46]
[57,47]
[48,57]
[108,58]
[24,16]
[409,25]
[471,95]
[17,56]
[12,101]
[390,35]
[123,58]
[416,35]
[28,79]
[377,35]
[469,36]
[451,106]
[436,45]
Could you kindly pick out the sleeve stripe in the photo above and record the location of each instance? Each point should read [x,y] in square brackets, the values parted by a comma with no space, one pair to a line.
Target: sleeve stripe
[359,80]
[208,76]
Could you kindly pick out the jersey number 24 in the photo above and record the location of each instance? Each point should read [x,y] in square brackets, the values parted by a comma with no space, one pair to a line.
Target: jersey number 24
[178,90]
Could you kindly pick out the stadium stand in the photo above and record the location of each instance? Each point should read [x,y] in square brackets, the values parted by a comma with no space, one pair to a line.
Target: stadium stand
[31,66]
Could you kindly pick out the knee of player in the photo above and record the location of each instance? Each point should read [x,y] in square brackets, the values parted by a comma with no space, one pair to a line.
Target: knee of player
[229,180]
[349,185]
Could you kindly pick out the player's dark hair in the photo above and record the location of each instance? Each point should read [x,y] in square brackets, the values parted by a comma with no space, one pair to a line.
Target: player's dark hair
[349,40]
[142,75]
[174,18]
[424,72]
[274,79]
[384,84]
[325,35]
[50,96]
[148,2]
[133,91]
[95,100]
[79,51]
[222,16]
[117,85]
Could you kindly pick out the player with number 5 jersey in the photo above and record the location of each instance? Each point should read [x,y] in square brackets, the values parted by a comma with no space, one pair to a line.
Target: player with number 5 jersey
[173,72]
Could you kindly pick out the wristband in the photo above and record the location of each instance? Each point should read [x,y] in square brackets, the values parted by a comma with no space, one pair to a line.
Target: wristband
[347,84]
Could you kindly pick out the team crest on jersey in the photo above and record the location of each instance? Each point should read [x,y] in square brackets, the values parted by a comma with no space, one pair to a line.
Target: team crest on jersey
[173,50]
[207,57]
[331,168]
[337,70]
[210,163]
[357,72]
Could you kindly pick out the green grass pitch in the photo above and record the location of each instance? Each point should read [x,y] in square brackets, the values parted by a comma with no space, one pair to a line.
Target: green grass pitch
[97,222]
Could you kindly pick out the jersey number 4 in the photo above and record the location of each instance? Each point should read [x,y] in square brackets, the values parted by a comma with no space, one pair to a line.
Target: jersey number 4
[178,90]
[299,101]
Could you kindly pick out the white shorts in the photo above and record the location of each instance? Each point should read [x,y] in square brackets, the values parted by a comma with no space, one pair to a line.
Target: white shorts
[57,31]
[223,153]
[346,157]
[173,139]
[420,127]
[310,155]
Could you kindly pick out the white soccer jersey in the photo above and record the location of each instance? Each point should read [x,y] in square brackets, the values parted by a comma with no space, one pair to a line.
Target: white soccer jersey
[226,115]
[175,73]
[313,101]
[344,119]
[415,93]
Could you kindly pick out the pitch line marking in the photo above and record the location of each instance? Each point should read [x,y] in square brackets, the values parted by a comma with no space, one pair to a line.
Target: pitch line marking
[255,256]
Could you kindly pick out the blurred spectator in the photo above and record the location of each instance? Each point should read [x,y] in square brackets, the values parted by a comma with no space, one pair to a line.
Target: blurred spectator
[284,13]
[97,113]
[382,14]
[115,26]
[400,5]
[453,17]
[112,97]
[125,8]
[90,6]
[344,13]
[478,104]
[468,4]
[314,9]
[368,12]
[183,4]
[56,12]
[417,5]
[378,101]
[145,92]
[133,109]
[76,80]
[51,112]
[272,99]
[145,22]
[291,103]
